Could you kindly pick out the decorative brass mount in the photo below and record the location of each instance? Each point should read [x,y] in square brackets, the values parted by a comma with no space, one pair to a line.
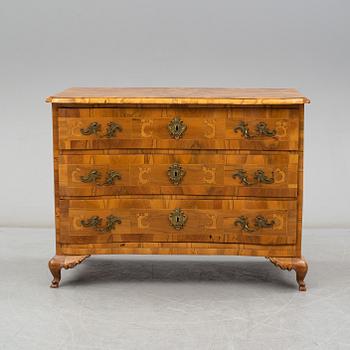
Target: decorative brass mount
[95,175]
[260,223]
[259,177]
[176,173]
[95,128]
[96,223]
[177,128]
[177,219]
[261,130]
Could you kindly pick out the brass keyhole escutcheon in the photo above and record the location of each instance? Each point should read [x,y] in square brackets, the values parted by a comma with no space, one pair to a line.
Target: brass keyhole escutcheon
[176,128]
[176,173]
[177,219]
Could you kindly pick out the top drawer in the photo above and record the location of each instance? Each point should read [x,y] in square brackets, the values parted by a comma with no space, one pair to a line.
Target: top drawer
[250,128]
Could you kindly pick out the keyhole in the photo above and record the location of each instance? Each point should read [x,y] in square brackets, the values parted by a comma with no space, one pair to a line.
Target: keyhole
[177,219]
[175,173]
[176,127]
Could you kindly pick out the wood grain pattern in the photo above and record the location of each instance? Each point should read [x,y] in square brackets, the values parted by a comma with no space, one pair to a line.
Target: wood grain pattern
[207,128]
[227,96]
[147,220]
[56,153]
[223,212]
[180,249]
[205,174]
[300,181]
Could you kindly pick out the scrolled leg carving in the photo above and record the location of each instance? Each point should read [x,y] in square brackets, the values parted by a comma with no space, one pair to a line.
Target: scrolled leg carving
[63,261]
[299,265]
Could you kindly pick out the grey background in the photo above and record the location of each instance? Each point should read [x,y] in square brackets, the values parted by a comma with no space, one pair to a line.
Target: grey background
[46,46]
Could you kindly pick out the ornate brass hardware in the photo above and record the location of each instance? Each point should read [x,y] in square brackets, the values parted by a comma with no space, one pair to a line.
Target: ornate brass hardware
[259,177]
[96,223]
[177,219]
[176,173]
[95,175]
[111,176]
[112,129]
[92,176]
[94,129]
[261,130]
[260,223]
[176,128]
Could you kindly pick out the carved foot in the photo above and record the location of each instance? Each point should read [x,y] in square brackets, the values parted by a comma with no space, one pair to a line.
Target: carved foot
[63,261]
[299,265]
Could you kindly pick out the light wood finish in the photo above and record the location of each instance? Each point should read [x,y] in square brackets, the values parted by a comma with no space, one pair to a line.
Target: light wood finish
[226,96]
[207,128]
[147,220]
[205,174]
[223,212]
[59,262]
[178,248]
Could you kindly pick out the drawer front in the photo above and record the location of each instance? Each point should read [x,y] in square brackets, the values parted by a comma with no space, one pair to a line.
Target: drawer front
[194,173]
[260,128]
[263,222]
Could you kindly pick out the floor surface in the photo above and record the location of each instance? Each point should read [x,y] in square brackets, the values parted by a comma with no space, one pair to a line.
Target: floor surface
[173,302]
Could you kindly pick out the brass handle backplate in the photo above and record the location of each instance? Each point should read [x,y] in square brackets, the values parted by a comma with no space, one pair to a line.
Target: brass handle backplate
[259,177]
[260,223]
[176,173]
[177,219]
[94,175]
[96,223]
[176,128]
[261,129]
[95,128]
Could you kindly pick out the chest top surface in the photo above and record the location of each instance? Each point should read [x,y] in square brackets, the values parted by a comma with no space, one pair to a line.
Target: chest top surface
[218,96]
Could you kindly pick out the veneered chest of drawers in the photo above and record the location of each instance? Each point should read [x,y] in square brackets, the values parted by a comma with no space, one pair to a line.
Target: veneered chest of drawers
[178,171]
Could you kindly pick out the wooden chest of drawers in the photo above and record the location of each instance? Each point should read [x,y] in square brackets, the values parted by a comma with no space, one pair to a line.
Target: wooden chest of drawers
[178,171]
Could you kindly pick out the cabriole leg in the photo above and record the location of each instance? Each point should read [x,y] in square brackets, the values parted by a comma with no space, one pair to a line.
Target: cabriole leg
[63,261]
[299,265]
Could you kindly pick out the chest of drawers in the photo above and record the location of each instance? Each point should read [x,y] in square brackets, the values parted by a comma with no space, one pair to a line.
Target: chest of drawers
[178,171]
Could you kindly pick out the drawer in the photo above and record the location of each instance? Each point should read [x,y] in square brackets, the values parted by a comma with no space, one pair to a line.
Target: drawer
[260,128]
[262,222]
[191,173]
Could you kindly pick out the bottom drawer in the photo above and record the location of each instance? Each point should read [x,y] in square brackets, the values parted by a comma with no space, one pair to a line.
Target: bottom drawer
[104,221]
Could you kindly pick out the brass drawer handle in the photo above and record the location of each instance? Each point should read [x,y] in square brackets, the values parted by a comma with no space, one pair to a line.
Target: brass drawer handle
[96,223]
[260,223]
[176,173]
[95,175]
[261,130]
[176,128]
[177,219]
[259,177]
[95,128]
